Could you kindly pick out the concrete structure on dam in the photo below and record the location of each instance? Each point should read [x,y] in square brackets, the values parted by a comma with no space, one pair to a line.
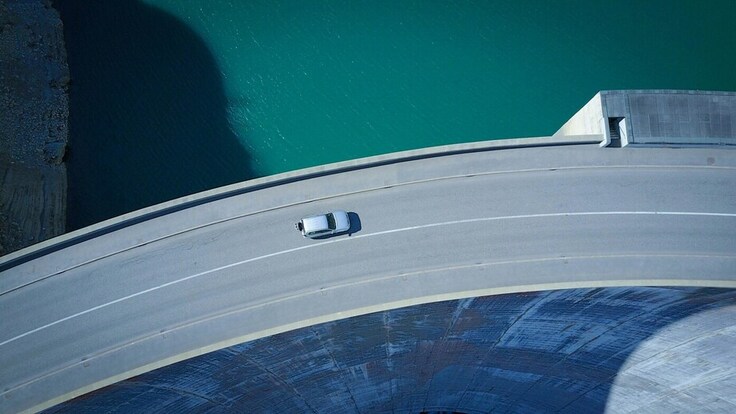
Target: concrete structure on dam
[584,272]
[654,118]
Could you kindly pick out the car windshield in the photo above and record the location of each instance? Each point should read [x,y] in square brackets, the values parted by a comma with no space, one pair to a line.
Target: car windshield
[331,221]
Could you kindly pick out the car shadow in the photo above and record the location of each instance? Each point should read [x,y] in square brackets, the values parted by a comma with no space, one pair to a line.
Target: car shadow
[355,225]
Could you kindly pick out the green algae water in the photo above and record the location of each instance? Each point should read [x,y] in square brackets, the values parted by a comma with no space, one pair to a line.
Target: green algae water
[173,97]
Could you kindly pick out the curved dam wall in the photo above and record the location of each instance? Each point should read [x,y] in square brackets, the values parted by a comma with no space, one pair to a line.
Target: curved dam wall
[617,350]
[190,281]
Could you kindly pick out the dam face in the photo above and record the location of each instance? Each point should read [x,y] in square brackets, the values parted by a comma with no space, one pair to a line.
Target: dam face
[579,350]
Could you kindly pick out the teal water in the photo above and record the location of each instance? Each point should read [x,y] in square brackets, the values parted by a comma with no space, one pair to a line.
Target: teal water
[172,97]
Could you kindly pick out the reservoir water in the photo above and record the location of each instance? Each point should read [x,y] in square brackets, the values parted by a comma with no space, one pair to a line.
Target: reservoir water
[173,97]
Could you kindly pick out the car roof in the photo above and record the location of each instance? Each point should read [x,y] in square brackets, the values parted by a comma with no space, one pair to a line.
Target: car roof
[342,221]
[315,223]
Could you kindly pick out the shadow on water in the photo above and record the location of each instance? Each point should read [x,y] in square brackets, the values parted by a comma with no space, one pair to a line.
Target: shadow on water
[148,118]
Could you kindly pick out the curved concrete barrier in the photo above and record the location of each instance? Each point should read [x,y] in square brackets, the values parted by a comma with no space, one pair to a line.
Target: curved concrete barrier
[139,216]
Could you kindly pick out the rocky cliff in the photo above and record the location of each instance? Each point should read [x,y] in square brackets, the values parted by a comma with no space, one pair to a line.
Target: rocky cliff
[34,110]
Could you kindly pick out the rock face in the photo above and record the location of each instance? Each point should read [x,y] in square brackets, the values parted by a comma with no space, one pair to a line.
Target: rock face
[34,110]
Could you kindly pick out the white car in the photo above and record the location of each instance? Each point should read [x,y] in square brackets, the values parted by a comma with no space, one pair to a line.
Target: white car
[323,225]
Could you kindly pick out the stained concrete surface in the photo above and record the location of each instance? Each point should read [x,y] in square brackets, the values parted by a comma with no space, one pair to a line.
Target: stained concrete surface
[616,350]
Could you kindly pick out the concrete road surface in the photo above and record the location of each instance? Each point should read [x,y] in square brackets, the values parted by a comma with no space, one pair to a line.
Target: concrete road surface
[446,227]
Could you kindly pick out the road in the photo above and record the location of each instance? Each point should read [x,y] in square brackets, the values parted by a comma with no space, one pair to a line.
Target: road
[433,229]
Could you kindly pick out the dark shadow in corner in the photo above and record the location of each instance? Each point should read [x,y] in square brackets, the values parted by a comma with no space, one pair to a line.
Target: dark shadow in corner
[148,111]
